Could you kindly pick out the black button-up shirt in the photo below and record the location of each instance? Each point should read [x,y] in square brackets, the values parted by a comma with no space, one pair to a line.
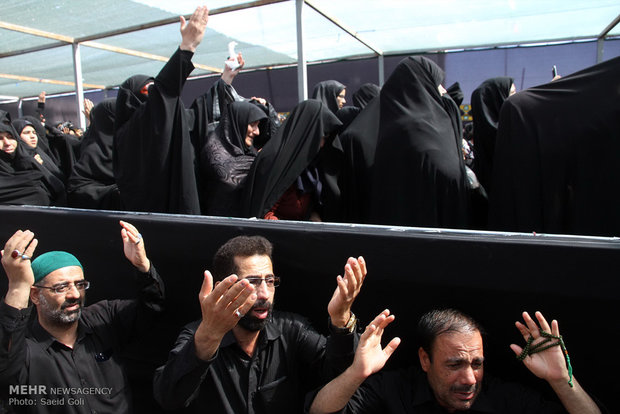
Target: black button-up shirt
[407,391]
[290,359]
[41,375]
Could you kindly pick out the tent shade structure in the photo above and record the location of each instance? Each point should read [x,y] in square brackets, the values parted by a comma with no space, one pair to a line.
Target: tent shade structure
[120,38]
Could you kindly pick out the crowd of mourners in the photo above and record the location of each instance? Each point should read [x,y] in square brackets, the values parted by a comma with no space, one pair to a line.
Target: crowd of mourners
[396,157]
[538,160]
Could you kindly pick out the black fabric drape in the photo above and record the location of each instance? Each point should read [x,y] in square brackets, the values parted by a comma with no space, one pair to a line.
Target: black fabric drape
[347,114]
[19,187]
[486,102]
[92,184]
[153,155]
[225,160]
[366,93]
[359,142]
[419,177]
[295,147]
[557,156]
[327,92]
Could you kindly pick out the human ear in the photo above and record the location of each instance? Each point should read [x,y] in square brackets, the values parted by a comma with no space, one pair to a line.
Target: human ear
[34,295]
[425,360]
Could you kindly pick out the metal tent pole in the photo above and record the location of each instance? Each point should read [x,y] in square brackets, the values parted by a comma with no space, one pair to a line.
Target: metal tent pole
[302,69]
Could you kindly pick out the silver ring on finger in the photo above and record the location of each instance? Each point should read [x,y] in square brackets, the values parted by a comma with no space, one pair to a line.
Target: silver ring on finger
[239,314]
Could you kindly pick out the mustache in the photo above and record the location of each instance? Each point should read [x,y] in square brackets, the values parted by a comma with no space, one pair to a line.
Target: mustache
[262,304]
[71,302]
[464,388]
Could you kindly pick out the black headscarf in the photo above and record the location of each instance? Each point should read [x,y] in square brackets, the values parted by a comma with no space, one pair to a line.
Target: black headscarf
[419,177]
[327,92]
[153,154]
[225,160]
[212,105]
[359,142]
[486,102]
[17,186]
[130,98]
[290,153]
[366,93]
[456,93]
[92,183]
[557,156]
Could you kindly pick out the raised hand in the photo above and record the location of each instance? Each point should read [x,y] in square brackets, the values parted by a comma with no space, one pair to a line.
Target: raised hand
[369,356]
[16,256]
[228,75]
[133,247]
[549,364]
[222,306]
[193,30]
[349,286]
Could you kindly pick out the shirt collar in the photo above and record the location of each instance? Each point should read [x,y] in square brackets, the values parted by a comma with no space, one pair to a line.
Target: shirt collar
[46,339]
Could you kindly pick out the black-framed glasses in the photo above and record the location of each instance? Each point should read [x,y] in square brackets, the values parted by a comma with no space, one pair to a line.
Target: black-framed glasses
[271,281]
[64,287]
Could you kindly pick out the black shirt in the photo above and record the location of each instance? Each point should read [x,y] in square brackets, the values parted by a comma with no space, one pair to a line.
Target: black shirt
[407,391]
[290,358]
[86,379]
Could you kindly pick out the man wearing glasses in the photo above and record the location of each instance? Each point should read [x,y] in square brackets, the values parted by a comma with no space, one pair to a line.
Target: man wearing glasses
[244,357]
[67,358]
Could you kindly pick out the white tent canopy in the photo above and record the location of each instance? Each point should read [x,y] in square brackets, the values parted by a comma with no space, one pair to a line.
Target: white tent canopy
[47,44]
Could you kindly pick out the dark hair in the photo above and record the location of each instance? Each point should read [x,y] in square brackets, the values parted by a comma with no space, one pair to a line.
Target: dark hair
[241,246]
[441,321]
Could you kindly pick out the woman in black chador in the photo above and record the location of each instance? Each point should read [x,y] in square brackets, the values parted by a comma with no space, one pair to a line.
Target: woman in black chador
[32,156]
[557,156]
[92,184]
[154,160]
[418,177]
[226,158]
[366,93]
[17,186]
[331,93]
[295,175]
[486,102]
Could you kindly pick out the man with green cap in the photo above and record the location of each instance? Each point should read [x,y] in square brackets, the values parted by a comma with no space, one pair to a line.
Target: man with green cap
[67,358]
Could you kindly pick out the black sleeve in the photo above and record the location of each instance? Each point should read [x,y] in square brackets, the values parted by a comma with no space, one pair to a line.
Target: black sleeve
[325,358]
[13,350]
[173,75]
[128,320]
[368,399]
[177,383]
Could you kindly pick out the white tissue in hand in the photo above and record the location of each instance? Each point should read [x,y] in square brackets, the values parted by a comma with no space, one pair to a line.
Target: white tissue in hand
[233,64]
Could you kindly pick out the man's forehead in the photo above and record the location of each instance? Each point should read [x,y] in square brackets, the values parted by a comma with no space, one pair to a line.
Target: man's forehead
[255,265]
[455,345]
[64,274]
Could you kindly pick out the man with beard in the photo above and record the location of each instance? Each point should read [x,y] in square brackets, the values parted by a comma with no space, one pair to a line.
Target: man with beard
[452,358]
[67,346]
[243,357]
